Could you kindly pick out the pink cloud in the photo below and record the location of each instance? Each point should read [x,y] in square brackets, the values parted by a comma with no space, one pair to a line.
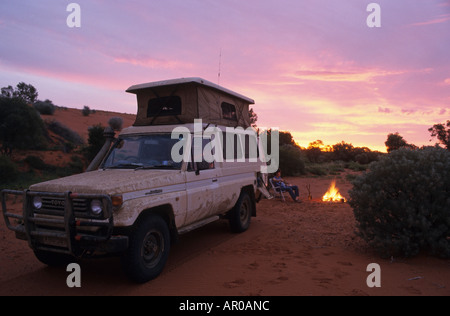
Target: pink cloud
[350,75]
[384,110]
[313,69]
[440,19]
[152,62]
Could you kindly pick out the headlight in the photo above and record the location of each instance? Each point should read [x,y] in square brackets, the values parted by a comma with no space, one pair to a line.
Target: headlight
[37,202]
[96,207]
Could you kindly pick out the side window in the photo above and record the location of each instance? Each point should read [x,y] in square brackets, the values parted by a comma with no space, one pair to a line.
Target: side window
[229,111]
[232,147]
[164,106]
[251,147]
[197,165]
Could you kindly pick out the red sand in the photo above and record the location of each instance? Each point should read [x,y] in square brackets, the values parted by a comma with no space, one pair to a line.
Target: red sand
[290,249]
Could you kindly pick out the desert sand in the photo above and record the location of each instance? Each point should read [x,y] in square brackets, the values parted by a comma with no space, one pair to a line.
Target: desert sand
[290,249]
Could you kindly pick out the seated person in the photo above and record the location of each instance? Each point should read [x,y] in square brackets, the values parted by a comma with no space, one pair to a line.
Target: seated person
[292,189]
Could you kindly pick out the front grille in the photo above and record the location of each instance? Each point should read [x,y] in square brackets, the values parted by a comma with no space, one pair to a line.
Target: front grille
[55,206]
[63,223]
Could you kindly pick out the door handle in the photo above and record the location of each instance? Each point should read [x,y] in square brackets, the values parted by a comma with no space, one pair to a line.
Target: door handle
[214,180]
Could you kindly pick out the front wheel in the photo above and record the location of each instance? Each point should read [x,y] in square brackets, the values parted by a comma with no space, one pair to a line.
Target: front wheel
[240,216]
[148,250]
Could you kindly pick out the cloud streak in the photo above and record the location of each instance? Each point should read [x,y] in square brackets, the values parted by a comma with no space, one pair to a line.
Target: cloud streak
[343,76]
[443,18]
[153,63]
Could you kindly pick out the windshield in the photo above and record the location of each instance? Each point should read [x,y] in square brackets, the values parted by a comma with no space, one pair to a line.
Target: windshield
[142,152]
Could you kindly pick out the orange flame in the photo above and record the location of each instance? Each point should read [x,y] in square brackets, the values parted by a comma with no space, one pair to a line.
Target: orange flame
[333,195]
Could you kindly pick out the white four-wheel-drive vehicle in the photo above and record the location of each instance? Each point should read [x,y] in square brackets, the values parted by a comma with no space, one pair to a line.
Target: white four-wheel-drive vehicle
[167,174]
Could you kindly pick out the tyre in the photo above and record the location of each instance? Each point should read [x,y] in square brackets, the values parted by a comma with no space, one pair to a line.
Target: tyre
[148,250]
[240,216]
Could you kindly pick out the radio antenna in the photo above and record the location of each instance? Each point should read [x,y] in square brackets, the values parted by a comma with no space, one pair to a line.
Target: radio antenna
[220,67]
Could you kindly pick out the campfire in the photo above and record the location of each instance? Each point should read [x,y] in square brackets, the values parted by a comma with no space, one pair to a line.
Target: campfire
[333,195]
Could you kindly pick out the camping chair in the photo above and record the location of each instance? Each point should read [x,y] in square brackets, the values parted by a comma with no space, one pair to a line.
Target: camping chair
[278,190]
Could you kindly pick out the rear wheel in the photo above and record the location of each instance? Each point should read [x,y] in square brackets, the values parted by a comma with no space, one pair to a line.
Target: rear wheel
[240,216]
[148,250]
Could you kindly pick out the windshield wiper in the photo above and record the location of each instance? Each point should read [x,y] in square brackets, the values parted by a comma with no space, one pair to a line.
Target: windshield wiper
[155,167]
[130,165]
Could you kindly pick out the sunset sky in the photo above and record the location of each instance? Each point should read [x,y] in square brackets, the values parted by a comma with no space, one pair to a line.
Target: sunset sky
[314,67]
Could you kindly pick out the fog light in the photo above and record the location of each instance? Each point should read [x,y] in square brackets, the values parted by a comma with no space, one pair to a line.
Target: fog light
[37,202]
[96,207]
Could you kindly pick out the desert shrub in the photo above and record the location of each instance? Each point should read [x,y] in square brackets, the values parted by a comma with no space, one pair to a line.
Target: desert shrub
[356,166]
[36,163]
[96,139]
[402,203]
[291,162]
[76,164]
[317,170]
[86,111]
[65,132]
[45,107]
[8,170]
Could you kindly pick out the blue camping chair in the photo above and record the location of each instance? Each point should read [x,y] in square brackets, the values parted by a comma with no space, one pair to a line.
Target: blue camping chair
[278,190]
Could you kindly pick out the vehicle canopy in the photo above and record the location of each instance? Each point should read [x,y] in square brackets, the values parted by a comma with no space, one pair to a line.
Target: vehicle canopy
[181,101]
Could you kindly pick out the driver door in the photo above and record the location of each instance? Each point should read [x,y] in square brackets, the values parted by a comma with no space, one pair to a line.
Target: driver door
[201,187]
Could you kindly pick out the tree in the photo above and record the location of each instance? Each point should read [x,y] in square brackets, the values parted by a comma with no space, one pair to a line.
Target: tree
[286,138]
[291,162]
[395,141]
[21,126]
[253,117]
[24,91]
[314,151]
[442,132]
[27,92]
[343,151]
[8,92]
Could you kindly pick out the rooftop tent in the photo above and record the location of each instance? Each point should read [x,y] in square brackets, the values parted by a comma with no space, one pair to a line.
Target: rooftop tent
[180,101]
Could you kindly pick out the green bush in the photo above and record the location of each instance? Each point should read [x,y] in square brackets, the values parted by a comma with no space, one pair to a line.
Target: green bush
[96,139]
[21,127]
[317,170]
[402,203]
[86,111]
[8,170]
[356,166]
[65,132]
[45,107]
[37,163]
[291,162]
[76,165]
